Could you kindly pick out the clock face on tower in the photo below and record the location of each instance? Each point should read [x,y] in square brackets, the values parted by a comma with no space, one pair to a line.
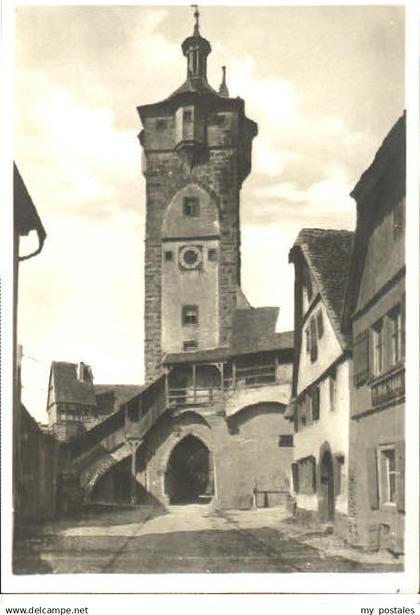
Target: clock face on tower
[190,257]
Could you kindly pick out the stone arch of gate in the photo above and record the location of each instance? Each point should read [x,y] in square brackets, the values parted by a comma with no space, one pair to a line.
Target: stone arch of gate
[94,472]
[199,430]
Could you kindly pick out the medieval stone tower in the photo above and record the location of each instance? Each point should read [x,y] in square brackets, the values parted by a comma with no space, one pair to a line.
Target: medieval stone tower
[196,154]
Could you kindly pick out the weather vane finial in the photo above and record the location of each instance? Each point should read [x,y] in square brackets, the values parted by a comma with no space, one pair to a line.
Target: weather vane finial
[197,18]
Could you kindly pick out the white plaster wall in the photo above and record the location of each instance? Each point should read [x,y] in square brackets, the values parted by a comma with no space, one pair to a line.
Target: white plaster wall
[328,351]
[240,398]
[182,287]
[332,427]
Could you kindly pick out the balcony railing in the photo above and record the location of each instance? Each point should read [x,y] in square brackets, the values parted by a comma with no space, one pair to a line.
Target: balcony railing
[245,377]
[388,387]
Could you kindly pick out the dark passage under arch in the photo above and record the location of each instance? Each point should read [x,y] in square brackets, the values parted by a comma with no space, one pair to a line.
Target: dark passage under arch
[189,475]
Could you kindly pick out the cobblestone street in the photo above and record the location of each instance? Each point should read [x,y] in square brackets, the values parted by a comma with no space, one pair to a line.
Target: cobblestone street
[190,539]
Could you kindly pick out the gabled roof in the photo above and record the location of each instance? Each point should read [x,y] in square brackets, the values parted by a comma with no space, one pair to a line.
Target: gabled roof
[328,254]
[68,388]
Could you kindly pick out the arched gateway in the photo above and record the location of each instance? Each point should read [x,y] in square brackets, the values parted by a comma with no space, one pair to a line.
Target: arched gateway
[189,473]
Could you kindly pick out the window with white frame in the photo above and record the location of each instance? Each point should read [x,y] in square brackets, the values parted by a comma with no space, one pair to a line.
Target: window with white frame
[387,475]
[378,347]
[190,315]
[396,334]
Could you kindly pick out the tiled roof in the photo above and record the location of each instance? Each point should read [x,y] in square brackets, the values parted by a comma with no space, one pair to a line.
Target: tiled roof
[328,254]
[68,389]
[122,393]
[241,300]
[253,330]
[198,356]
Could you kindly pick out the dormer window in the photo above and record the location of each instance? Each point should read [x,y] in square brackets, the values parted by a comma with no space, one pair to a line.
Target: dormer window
[191,206]
[187,115]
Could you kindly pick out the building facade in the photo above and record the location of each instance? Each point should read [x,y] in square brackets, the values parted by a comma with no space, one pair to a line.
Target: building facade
[75,404]
[375,315]
[320,406]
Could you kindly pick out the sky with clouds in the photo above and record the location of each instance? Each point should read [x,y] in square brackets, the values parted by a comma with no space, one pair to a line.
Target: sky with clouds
[324,84]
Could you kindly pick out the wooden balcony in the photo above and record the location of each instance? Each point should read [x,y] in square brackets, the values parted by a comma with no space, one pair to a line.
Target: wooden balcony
[242,378]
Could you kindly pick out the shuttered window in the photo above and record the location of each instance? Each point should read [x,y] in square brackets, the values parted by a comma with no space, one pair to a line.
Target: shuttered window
[315,403]
[314,344]
[372,477]
[295,477]
[361,358]
[400,467]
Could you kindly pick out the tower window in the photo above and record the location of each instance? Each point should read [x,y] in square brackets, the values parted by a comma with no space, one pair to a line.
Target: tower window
[190,345]
[212,254]
[190,315]
[187,116]
[169,256]
[191,206]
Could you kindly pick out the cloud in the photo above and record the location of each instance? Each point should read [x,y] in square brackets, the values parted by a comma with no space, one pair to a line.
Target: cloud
[73,157]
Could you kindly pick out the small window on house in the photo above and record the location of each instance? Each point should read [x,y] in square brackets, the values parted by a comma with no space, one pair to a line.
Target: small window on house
[398,220]
[169,256]
[187,115]
[161,124]
[190,315]
[315,399]
[308,340]
[286,441]
[190,345]
[191,206]
[212,254]
[378,350]
[320,324]
[332,383]
[63,416]
[396,334]
[387,475]
[313,341]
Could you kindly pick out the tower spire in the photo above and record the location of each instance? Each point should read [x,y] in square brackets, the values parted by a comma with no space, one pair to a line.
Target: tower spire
[223,89]
[197,20]
[196,49]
